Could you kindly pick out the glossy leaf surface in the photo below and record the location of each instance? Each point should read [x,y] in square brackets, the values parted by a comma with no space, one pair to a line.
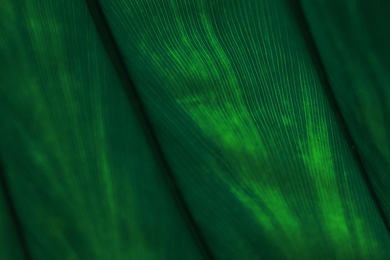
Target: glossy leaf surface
[240,112]
[354,45]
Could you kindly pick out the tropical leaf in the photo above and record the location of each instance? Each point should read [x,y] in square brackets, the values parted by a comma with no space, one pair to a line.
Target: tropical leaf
[354,48]
[223,129]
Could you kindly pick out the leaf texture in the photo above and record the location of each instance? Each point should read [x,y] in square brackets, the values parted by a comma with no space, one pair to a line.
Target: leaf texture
[354,47]
[79,169]
[252,116]
[239,112]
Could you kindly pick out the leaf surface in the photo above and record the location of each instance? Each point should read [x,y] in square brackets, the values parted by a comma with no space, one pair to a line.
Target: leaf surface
[239,111]
[80,172]
[233,91]
[354,47]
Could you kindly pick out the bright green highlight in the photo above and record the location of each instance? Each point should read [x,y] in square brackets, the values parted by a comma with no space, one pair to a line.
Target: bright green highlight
[248,106]
[354,47]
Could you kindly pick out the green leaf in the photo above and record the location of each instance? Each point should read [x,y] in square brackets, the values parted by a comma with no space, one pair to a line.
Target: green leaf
[235,149]
[79,169]
[354,47]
